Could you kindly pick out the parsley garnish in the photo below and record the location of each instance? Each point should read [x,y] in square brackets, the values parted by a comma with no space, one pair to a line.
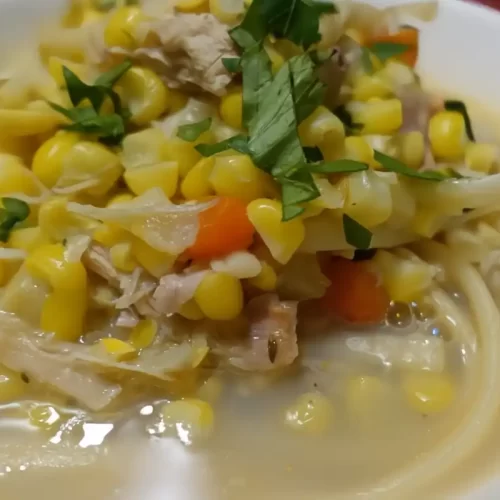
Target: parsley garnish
[13,212]
[238,143]
[356,234]
[232,64]
[461,108]
[87,119]
[192,131]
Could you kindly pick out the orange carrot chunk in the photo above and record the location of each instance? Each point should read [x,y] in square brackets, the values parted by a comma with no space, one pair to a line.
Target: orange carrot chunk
[224,228]
[407,36]
[355,294]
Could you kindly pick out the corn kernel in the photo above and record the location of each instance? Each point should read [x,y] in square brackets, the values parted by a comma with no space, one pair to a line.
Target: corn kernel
[311,413]
[428,392]
[44,417]
[447,135]
[119,198]
[120,30]
[121,257]
[282,238]
[427,222]
[25,122]
[189,419]
[143,334]
[110,234]
[211,390]
[227,12]
[191,310]
[381,117]
[55,67]
[162,175]
[277,59]
[366,87]
[26,238]
[196,185]
[238,177]
[178,100]
[15,177]
[358,149]
[323,129]
[266,280]
[182,152]
[143,148]
[231,108]
[117,349]
[411,149]
[241,265]
[145,94]
[155,262]
[12,385]
[219,296]
[481,157]
[191,6]
[48,160]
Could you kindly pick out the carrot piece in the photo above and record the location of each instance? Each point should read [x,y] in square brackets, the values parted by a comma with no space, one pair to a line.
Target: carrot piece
[407,36]
[223,228]
[355,294]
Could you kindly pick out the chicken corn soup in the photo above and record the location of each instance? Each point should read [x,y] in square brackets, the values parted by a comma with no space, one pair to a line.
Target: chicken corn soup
[245,255]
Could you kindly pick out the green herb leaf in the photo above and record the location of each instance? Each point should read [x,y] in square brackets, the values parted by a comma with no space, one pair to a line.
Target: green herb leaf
[291,211]
[297,189]
[313,155]
[394,165]
[386,50]
[356,234]
[337,167]
[232,64]
[13,212]
[192,131]
[238,143]
[109,128]
[78,90]
[366,60]
[461,108]
[109,78]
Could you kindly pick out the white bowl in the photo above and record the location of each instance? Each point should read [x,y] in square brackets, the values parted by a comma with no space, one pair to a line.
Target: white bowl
[459,54]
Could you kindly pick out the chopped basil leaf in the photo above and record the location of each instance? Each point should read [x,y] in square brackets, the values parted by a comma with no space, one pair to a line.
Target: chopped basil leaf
[356,234]
[291,211]
[313,155]
[386,50]
[238,143]
[232,64]
[461,108]
[13,212]
[394,165]
[337,167]
[295,20]
[109,78]
[192,131]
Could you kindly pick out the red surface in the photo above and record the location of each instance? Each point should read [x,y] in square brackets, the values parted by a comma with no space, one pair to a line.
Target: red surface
[494,4]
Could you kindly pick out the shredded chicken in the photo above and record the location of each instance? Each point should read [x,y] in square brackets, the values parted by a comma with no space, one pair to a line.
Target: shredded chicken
[127,318]
[97,259]
[273,339]
[193,46]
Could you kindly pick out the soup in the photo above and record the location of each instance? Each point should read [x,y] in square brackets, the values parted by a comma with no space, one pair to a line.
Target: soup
[246,255]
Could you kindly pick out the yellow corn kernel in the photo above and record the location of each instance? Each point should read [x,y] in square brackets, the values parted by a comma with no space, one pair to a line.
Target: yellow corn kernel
[405,280]
[55,67]
[145,95]
[397,74]
[120,30]
[16,178]
[231,108]
[266,280]
[219,296]
[368,86]
[428,392]
[381,117]
[48,160]
[44,417]
[358,149]
[364,394]
[155,262]
[322,128]
[110,235]
[63,313]
[12,385]
[191,6]
[91,160]
[211,390]
[122,258]
[26,238]
[23,122]
[7,270]
[448,135]
[119,198]
[143,148]
[178,100]
[191,310]
[277,59]
[196,185]
[184,153]
[163,175]
[282,238]
[117,349]
[411,149]
[427,222]
[237,176]
[143,334]
[189,419]
[227,12]
[311,413]
[481,157]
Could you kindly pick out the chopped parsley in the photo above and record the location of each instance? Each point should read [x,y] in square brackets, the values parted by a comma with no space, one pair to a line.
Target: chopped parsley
[461,108]
[192,131]
[13,212]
